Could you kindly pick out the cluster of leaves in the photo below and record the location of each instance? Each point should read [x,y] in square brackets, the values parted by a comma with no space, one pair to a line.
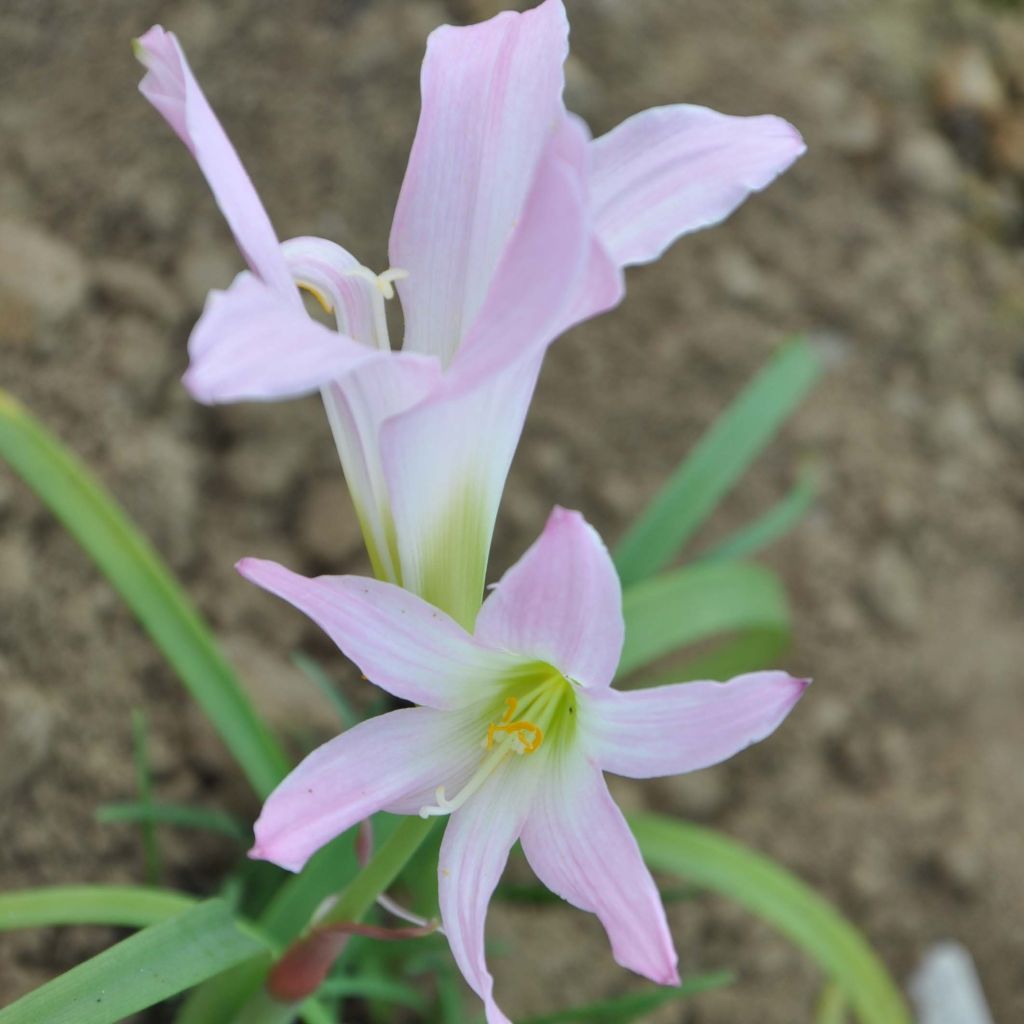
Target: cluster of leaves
[715,616]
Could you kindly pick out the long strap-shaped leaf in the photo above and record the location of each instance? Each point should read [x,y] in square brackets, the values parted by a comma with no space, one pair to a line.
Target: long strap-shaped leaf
[716,462]
[133,567]
[126,906]
[716,862]
[688,605]
[150,966]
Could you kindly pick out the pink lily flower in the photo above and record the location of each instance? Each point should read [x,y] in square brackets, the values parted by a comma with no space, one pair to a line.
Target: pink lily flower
[512,225]
[516,724]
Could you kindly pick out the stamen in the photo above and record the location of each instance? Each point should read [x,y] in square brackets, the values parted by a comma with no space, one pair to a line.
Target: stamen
[383,284]
[386,280]
[526,736]
[483,773]
[325,303]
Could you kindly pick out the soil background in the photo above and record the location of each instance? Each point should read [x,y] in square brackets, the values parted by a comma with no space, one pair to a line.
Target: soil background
[898,241]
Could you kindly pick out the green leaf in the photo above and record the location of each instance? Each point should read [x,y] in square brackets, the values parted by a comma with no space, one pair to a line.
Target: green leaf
[384,989]
[831,1005]
[144,780]
[314,671]
[775,523]
[180,815]
[688,605]
[624,1009]
[144,969]
[293,905]
[134,568]
[124,906]
[716,862]
[749,651]
[716,462]
[283,920]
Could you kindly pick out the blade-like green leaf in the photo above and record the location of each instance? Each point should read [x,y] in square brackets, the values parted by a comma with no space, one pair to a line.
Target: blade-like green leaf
[831,1007]
[125,906]
[716,862]
[687,605]
[749,651]
[776,522]
[384,989]
[314,671]
[179,815]
[624,1009]
[145,969]
[716,462]
[144,781]
[134,568]
[283,919]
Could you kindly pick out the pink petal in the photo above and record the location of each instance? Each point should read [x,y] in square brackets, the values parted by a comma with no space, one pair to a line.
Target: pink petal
[666,730]
[374,766]
[400,642]
[581,848]
[337,276]
[358,405]
[670,170]
[473,855]
[554,272]
[445,462]
[561,603]
[447,459]
[541,269]
[250,345]
[491,96]
[170,86]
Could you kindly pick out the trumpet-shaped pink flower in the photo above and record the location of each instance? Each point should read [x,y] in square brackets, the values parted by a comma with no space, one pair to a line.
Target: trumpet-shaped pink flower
[515,726]
[512,225]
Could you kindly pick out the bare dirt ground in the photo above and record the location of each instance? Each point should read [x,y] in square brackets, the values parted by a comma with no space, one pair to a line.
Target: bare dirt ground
[896,787]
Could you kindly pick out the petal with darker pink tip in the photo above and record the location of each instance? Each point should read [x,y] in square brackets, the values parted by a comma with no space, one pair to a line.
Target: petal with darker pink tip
[491,98]
[375,765]
[671,170]
[171,87]
[666,730]
[401,643]
[581,848]
[561,603]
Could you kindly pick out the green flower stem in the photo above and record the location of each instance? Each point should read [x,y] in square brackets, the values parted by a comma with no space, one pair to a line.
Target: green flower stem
[353,904]
[383,868]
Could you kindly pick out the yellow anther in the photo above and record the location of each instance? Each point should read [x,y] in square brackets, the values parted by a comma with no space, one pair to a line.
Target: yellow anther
[325,303]
[529,736]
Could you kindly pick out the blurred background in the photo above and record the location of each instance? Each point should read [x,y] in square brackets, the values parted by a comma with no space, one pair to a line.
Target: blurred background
[896,786]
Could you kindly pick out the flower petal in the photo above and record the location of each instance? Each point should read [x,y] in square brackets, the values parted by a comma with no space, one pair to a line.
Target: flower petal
[581,848]
[373,766]
[446,460]
[400,642]
[358,405]
[340,281]
[473,855]
[665,730]
[250,345]
[561,603]
[491,96]
[670,170]
[554,271]
[171,87]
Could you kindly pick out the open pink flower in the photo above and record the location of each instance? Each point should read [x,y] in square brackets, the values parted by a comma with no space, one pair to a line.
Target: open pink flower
[512,225]
[516,725]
